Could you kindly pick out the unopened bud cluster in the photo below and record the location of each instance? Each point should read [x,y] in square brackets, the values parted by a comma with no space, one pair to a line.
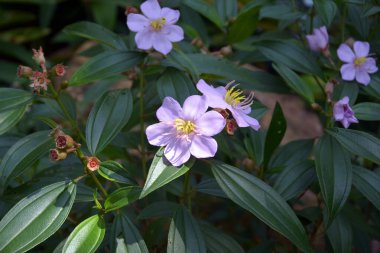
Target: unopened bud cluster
[64,145]
[41,77]
[231,124]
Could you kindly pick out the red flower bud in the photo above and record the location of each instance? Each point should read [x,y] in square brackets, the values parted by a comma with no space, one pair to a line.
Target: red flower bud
[59,70]
[24,71]
[130,9]
[64,141]
[231,126]
[57,155]
[93,163]
[38,56]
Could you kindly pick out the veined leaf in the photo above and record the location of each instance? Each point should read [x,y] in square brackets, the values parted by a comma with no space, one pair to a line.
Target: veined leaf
[13,98]
[87,236]
[340,235]
[122,197]
[108,116]
[261,200]
[334,171]
[367,182]
[113,171]
[36,217]
[184,234]
[326,10]
[205,9]
[9,118]
[158,209]
[367,111]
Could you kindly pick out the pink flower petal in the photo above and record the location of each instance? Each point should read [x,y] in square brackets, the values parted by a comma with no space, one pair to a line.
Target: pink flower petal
[161,43]
[215,96]
[345,53]
[210,123]
[203,147]
[362,77]
[144,40]
[361,48]
[178,151]
[194,107]
[151,9]
[160,134]
[169,110]
[137,22]
[174,33]
[348,71]
[171,15]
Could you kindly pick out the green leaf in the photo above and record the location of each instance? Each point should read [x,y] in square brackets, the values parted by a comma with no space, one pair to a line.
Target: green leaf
[181,61]
[261,200]
[244,25]
[254,143]
[174,83]
[340,235]
[294,179]
[279,12]
[346,89]
[184,234]
[295,82]
[36,217]
[373,88]
[87,236]
[14,98]
[224,69]
[291,153]
[275,133]
[108,116]
[105,65]
[22,155]
[205,9]
[326,10]
[125,237]
[358,143]
[98,33]
[105,13]
[334,171]
[158,210]
[161,172]
[367,182]
[122,197]
[219,242]
[114,171]
[367,111]
[226,9]
[9,118]
[290,55]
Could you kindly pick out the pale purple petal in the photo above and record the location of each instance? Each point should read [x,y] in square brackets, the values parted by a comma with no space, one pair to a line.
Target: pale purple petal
[344,101]
[361,48]
[169,110]
[215,96]
[321,37]
[210,123]
[345,53]
[174,33]
[178,151]
[348,71]
[171,15]
[353,119]
[203,147]
[160,134]
[151,9]
[244,120]
[370,65]
[137,22]
[144,39]
[313,42]
[345,123]
[338,112]
[362,77]
[161,43]
[194,107]
[324,33]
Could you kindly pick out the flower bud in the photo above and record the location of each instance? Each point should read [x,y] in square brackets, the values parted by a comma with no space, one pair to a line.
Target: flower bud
[64,141]
[93,163]
[59,70]
[24,71]
[231,126]
[130,9]
[38,56]
[57,155]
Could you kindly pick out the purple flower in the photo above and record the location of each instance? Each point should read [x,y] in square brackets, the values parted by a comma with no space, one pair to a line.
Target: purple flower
[232,99]
[156,27]
[186,131]
[344,113]
[319,40]
[358,65]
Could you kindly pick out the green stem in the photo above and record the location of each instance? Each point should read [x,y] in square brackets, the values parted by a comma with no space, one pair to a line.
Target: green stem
[97,182]
[320,85]
[142,127]
[186,196]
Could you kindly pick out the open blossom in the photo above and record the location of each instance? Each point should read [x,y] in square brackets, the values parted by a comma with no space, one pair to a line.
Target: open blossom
[38,56]
[40,81]
[186,131]
[357,63]
[156,28]
[319,40]
[232,99]
[343,112]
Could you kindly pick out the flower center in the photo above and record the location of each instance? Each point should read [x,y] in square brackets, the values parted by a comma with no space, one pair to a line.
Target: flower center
[360,61]
[158,24]
[185,127]
[236,98]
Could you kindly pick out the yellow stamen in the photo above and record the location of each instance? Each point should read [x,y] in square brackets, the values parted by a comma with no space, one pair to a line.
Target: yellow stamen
[158,24]
[360,60]
[234,96]
[184,127]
